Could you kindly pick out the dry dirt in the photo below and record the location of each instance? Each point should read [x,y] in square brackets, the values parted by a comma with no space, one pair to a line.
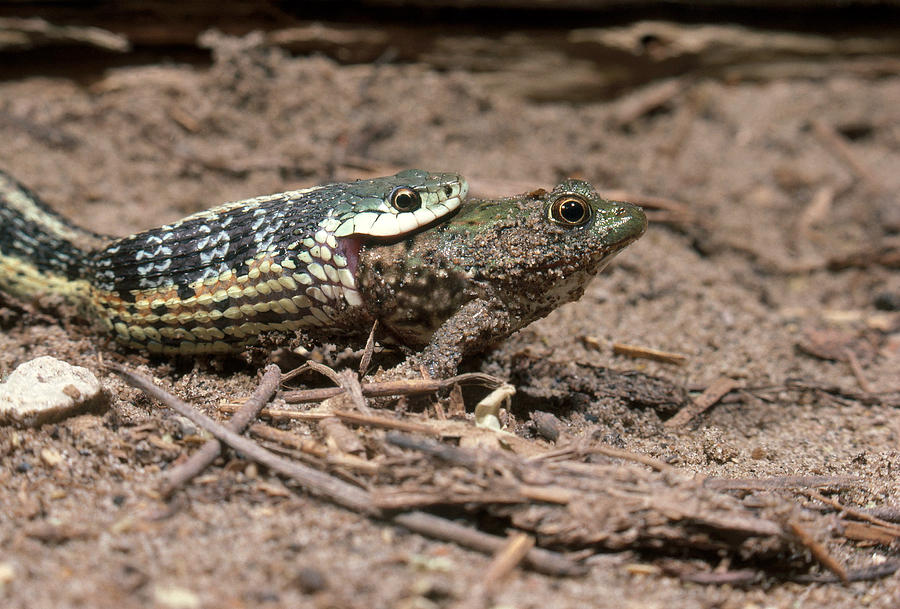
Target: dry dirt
[736,287]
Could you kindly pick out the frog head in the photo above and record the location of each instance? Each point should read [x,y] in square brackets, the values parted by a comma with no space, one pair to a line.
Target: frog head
[494,267]
[539,250]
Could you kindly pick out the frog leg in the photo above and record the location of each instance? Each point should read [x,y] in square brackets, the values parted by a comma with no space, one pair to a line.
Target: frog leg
[473,327]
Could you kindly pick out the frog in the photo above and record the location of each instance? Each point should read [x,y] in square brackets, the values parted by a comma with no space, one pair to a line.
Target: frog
[491,269]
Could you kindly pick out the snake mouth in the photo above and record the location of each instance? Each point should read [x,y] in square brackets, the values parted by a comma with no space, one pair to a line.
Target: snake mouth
[405,225]
[382,227]
[349,248]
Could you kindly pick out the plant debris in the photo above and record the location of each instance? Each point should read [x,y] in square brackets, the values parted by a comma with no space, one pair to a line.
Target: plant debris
[562,499]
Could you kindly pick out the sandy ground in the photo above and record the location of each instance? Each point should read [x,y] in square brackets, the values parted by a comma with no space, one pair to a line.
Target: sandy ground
[736,287]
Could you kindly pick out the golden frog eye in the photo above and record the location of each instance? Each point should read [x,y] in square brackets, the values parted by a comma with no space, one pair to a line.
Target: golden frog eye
[570,210]
[405,199]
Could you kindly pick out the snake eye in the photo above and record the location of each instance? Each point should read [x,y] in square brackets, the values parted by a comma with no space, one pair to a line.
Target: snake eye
[405,199]
[570,210]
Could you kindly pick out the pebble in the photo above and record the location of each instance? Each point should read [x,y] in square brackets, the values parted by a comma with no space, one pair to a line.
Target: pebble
[47,389]
[546,425]
[176,597]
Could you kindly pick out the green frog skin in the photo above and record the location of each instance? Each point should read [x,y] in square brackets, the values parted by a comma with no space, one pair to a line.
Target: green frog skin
[493,268]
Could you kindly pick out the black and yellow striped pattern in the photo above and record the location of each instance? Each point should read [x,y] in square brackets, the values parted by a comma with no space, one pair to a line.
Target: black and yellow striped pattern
[213,282]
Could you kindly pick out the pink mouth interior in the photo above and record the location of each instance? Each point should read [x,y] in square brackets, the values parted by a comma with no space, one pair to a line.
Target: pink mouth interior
[349,247]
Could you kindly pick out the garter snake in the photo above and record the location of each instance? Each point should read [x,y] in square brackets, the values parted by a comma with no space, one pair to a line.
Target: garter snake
[216,280]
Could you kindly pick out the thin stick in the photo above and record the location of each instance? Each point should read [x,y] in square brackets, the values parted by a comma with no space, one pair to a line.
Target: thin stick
[325,371]
[368,352]
[872,572]
[304,447]
[295,372]
[637,351]
[451,454]
[316,482]
[200,460]
[841,149]
[610,451]
[894,529]
[364,420]
[291,440]
[819,551]
[512,553]
[816,210]
[351,385]
[780,482]
[353,418]
[282,414]
[544,561]
[857,371]
[405,387]
[715,392]
[734,578]
[864,531]
[504,561]
[650,201]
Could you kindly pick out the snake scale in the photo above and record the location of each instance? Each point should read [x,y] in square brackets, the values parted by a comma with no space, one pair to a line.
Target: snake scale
[216,280]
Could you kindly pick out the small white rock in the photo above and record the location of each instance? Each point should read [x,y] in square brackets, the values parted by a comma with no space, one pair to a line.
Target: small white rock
[175,597]
[7,574]
[47,389]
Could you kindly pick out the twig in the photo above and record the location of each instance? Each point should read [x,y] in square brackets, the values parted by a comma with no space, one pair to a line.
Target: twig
[882,398]
[368,351]
[445,452]
[200,460]
[864,531]
[404,387]
[837,145]
[894,529]
[864,574]
[818,551]
[715,392]
[655,217]
[886,254]
[889,513]
[779,482]
[620,453]
[35,32]
[544,561]
[302,447]
[667,357]
[649,201]
[733,578]
[365,420]
[816,210]
[857,370]
[281,414]
[295,372]
[456,406]
[325,371]
[510,555]
[339,438]
[352,418]
[291,440]
[313,480]
[350,383]
[643,101]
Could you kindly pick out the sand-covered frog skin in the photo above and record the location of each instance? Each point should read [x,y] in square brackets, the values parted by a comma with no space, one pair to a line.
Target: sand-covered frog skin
[495,267]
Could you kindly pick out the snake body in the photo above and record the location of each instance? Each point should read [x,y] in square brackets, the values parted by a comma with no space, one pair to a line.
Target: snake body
[216,280]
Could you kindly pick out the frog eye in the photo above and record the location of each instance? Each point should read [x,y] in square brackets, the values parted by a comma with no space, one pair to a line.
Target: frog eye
[405,199]
[570,210]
